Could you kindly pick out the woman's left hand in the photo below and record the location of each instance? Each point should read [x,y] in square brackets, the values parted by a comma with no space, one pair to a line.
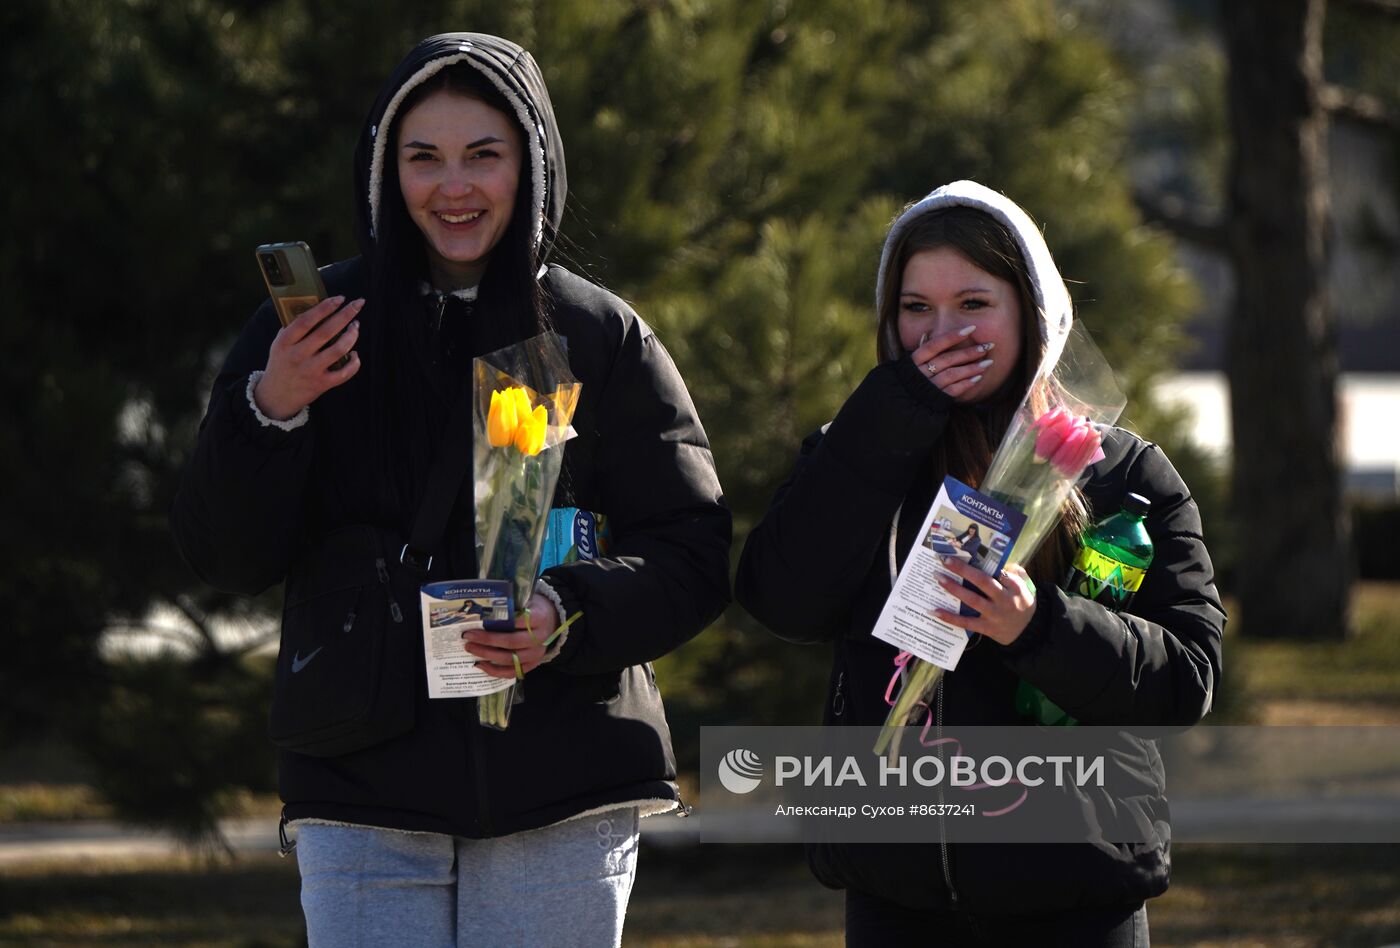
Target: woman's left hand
[494,649]
[1006,604]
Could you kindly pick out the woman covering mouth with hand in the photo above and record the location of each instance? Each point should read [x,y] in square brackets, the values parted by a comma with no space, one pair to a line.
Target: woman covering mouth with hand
[969,310]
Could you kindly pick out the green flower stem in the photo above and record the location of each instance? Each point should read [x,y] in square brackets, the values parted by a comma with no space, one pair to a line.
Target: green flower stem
[920,679]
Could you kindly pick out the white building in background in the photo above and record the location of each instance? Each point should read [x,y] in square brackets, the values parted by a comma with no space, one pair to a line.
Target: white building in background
[1369,429]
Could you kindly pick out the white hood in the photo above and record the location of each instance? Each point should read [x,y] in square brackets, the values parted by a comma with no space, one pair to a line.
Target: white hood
[1051,296]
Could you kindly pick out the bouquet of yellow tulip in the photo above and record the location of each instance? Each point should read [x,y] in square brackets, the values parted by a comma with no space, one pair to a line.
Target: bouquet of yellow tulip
[525,401]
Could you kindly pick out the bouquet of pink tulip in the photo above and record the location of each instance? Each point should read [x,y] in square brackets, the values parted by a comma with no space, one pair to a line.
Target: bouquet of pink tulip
[1041,456]
[1036,469]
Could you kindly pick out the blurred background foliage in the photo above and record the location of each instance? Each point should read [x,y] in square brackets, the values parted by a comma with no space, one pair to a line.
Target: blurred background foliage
[733,166]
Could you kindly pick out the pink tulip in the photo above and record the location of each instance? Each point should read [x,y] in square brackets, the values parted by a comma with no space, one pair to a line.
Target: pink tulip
[1078,448]
[1050,418]
[1054,427]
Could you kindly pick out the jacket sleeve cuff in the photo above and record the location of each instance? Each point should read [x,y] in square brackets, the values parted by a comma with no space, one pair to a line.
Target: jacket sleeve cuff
[920,388]
[547,591]
[288,424]
[557,590]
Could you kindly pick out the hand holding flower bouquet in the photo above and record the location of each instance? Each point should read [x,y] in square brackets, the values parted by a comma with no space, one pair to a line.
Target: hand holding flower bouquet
[1051,440]
[525,401]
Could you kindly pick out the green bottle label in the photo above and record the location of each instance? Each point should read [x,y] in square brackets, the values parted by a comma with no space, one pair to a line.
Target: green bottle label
[1107,581]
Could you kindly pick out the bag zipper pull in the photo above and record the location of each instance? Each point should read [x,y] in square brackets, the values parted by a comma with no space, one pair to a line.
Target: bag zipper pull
[394,609]
[349,622]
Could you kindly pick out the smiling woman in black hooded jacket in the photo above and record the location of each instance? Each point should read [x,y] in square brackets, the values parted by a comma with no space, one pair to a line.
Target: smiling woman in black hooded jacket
[417,825]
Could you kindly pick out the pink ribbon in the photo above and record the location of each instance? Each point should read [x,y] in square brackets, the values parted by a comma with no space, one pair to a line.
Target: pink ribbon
[900,661]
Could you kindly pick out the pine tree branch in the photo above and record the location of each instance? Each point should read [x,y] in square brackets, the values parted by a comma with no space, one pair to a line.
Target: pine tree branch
[1359,107]
[1170,213]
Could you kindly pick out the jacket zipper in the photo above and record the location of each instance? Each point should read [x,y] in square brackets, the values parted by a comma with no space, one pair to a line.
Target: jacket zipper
[942,827]
[684,809]
[285,844]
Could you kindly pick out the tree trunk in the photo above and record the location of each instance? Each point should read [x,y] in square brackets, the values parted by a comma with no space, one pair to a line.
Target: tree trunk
[1294,563]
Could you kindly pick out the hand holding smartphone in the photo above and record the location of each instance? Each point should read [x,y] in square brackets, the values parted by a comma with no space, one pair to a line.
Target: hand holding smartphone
[314,351]
[293,282]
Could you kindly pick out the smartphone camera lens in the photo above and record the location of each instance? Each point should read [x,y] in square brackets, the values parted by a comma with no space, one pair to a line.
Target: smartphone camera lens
[273,269]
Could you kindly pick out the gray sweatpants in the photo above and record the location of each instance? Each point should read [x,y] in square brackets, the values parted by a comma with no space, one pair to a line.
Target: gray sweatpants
[567,884]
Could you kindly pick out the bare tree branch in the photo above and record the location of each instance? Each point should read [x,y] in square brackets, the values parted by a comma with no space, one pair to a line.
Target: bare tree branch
[1390,8]
[176,635]
[1358,106]
[1171,213]
[201,623]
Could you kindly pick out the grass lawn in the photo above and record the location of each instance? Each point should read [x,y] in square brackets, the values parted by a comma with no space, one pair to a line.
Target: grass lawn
[711,897]
[1295,682]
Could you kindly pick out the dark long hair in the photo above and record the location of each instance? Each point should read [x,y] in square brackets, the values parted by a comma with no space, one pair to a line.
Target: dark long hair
[510,306]
[973,432]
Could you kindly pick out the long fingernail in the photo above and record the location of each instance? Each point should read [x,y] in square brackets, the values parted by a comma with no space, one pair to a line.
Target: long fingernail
[967,330]
[988,346]
[974,379]
[922,339]
[984,363]
[337,300]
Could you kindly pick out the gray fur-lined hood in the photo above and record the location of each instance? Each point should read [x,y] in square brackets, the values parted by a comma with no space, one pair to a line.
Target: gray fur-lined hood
[514,72]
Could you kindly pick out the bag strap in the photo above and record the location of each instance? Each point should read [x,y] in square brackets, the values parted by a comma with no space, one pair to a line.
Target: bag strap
[444,481]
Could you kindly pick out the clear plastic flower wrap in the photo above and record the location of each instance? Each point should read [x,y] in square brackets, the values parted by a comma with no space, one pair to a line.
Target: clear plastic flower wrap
[524,404]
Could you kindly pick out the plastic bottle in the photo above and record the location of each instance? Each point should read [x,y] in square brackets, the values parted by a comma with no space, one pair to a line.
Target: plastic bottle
[1113,558]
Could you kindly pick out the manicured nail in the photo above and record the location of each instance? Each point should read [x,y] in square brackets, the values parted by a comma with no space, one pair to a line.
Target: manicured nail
[974,379]
[355,325]
[922,339]
[981,365]
[967,330]
[988,346]
[337,300]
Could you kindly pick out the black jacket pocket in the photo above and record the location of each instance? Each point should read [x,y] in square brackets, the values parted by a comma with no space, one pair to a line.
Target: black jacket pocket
[345,672]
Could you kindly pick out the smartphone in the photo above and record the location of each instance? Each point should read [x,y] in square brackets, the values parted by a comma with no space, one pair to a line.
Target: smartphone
[293,282]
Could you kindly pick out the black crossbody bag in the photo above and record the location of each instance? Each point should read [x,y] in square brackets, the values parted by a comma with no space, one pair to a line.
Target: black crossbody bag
[350,660]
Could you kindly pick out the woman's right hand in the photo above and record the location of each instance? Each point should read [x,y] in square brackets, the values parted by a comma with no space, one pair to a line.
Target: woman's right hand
[298,371]
[954,370]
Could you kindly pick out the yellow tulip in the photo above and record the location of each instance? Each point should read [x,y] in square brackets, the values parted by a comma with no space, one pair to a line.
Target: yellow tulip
[522,403]
[529,436]
[501,419]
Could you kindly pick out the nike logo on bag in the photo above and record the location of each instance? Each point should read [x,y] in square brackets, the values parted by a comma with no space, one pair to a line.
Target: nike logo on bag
[298,663]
